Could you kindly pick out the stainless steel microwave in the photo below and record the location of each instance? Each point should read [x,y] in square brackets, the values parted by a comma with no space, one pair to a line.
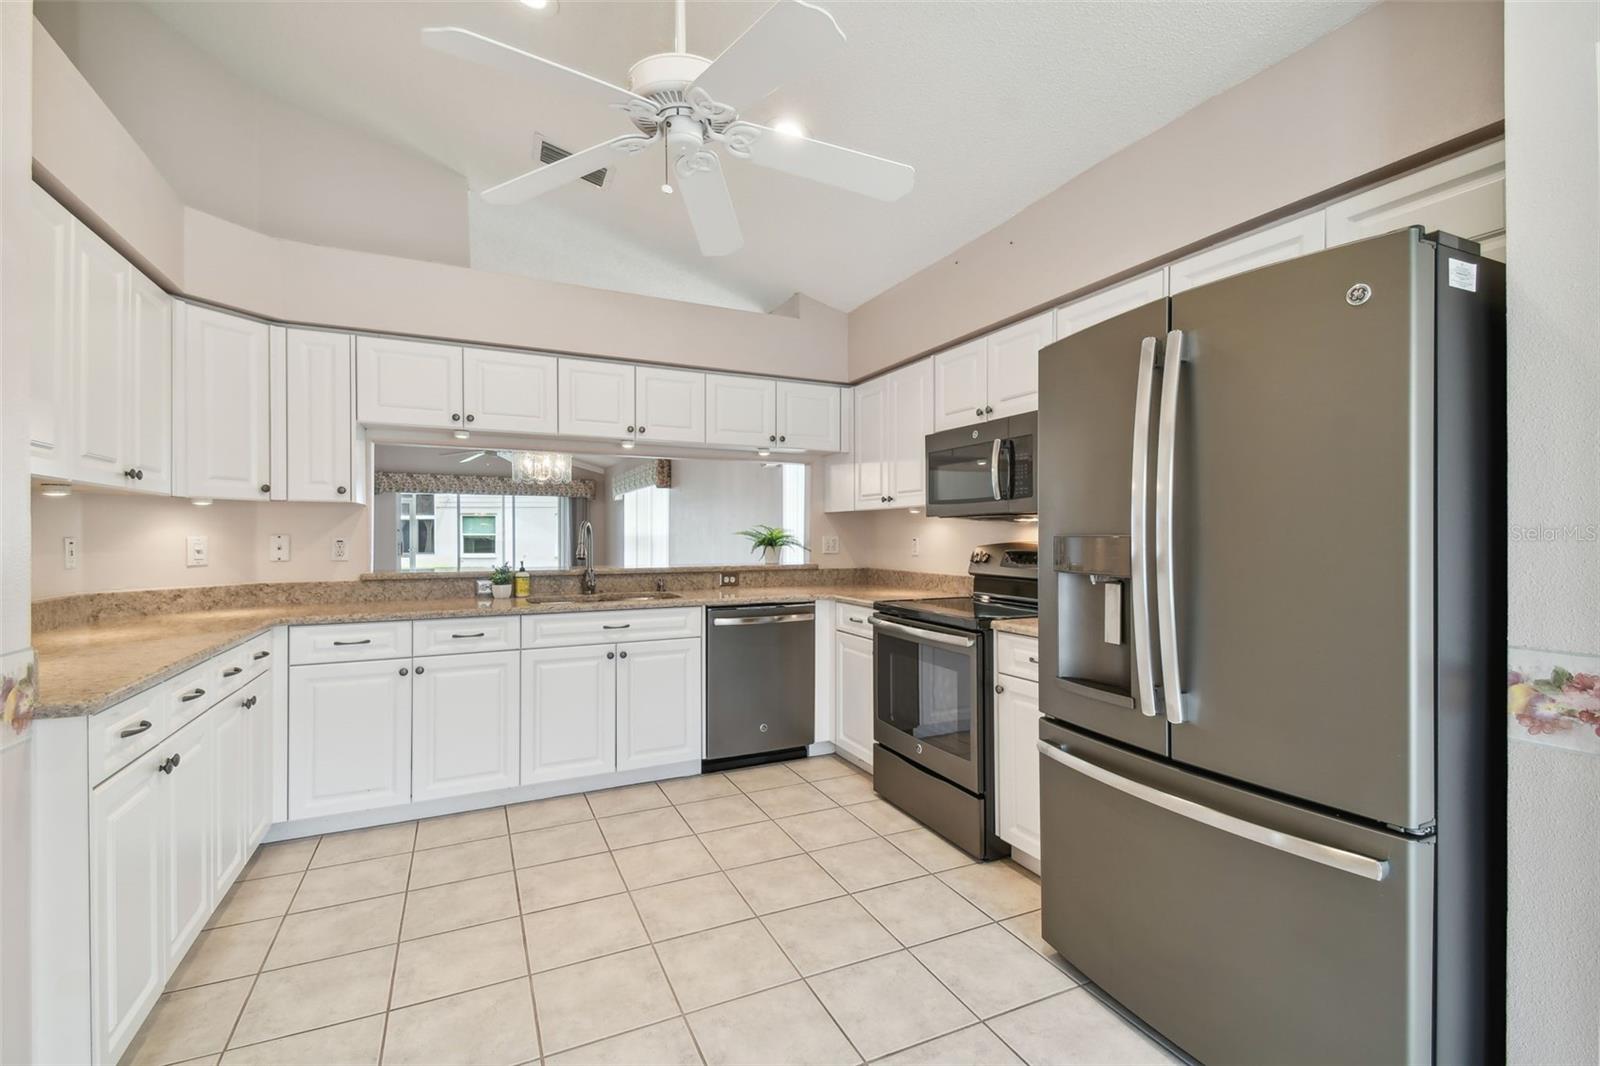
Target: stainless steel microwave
[983,471]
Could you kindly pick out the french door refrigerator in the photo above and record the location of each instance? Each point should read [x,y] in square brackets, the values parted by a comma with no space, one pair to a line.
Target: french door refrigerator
[1271,790]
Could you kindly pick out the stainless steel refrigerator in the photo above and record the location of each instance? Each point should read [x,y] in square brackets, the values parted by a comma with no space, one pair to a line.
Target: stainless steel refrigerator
[1272,754]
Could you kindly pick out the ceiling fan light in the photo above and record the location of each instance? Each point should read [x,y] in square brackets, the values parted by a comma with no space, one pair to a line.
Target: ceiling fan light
[790,127]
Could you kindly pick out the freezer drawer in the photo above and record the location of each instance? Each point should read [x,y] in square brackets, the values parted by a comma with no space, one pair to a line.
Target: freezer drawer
[1244,929]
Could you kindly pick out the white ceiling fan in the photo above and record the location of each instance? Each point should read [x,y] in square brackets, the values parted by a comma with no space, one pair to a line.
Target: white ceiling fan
[692,104]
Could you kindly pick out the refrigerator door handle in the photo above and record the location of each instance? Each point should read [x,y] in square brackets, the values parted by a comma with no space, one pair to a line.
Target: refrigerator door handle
[1325,854]
[1138,551]
[1166,600]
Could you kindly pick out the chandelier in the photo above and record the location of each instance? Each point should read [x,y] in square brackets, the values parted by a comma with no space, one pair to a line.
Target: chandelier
[540,468]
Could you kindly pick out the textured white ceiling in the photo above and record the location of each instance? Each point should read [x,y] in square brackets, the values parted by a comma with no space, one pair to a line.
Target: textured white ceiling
[994,103]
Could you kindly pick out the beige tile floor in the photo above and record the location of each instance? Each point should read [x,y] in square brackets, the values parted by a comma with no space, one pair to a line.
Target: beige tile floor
[779,914]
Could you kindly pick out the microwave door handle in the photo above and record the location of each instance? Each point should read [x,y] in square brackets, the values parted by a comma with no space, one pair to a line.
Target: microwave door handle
[1166,459]
[994,469]
[1139,548]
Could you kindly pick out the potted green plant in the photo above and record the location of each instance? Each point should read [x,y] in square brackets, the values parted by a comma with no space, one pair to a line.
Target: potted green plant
[500,578]
[769,540]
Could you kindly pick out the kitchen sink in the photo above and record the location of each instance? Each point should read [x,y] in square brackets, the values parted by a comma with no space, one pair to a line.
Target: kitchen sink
[606,597]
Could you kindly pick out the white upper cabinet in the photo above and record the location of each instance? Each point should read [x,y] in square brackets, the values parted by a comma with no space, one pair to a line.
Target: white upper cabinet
[960,384]
[659,705]
[1464,195]
[1110,302]
[595,399]
[741,411]
[1274,244]
[910,407]
[1013,356]
[49,273]
[408,383]
[319,435]
[872,434]
[223,433]
[464,724]
[670,404]
[509,392]
[839,471]
[148,423]
[808,416]
[101,283]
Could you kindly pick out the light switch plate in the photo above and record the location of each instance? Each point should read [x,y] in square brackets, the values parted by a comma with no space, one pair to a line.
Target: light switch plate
[341,550]
[199,553]
[916,547]
[69,553]
[278,548]
[830,545]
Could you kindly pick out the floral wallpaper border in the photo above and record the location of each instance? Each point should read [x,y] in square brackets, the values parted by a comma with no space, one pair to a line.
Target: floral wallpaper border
[19,689]
[1553,698]
[487,484]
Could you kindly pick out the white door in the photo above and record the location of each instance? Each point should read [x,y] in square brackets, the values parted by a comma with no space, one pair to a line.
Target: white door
[148,401]
[872,440]
[659,711]
[259,807]
[670,404]
[127,874]
[1016,728]
[191,819]
[101,284]
[741,411]
[1274,244]
[408,383]
[349,737]
[318,404]
[1464,195]
[910,408]
[224,374]
[464,724]
[509,392]
[1013,375]
[569,712]
[231,740]
[960,385]
[808,416]
[852,697]
[595,399]
[50,273]
[1095,308]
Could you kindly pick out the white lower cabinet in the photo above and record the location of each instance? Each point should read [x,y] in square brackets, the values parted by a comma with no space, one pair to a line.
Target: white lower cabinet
[191,818]
[349,737]
[658,703]
[231,740]
[258,808]
[1016,729]
[464,724]
[852,698]
[569,712]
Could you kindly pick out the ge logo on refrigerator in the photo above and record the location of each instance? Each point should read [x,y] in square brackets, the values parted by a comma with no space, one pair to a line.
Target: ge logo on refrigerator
[1358,294]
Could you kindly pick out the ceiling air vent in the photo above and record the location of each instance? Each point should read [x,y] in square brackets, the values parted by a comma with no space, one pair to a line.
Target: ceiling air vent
[549,153]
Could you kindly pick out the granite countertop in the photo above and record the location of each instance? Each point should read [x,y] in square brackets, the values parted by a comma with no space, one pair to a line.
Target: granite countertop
[1028,627]
[86,669]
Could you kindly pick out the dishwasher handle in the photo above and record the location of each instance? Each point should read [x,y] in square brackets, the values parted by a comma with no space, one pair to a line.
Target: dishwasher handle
[763,619]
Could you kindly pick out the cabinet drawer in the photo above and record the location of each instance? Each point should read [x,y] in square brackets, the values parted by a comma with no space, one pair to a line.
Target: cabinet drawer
[128,730]
[852,618]
[1016,656]
[597,627]
[236,667]
[446,636]
[349,642]
[190,693]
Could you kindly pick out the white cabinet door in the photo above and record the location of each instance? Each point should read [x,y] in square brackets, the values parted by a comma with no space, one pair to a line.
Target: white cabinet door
[225,438]
[595,399]
[839,471]
[741,411]
[1013,374]
[808,416]
[1464,195]
[231,740]
[260,713]
[910,408]
[659,710]
[872,444]
[408,383]
[569,712]
[101,283]
[1110,302]
[464,724]
[1016,727]
[127,871]
[1274,244]
[852,696]
[148,425]
[50,271]
[318,407]
[191,819]
[670,404]
[349,737]
[509,392]
[960,384]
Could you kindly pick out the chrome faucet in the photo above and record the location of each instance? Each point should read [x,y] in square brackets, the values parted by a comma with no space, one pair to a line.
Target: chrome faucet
[586,546]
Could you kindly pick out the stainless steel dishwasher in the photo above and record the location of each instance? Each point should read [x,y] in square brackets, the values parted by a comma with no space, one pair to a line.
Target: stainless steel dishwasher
[760,681]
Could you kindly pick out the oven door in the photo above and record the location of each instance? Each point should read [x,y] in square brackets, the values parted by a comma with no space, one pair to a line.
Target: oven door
[926,697]
[968,471]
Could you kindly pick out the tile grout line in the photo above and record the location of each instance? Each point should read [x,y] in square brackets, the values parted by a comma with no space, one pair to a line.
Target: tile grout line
[255,978]
[394,967]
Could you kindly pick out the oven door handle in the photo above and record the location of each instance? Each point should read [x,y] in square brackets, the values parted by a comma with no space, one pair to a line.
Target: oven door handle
[922,636]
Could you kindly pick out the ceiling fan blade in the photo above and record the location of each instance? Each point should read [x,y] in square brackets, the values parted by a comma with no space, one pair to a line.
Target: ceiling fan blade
[464,44]
[843,168]
[790,39]
[705,196]
[543,179]
[471,456]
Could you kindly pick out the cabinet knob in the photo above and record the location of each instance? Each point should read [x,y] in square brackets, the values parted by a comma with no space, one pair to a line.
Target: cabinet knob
[170,763]
[138,475]
[419,671]
[641,431]
[611,655]
[999,688]
[763,727]
[404,671]
[979,412]
[988,410]
[623,654]
[630,429]
[128,473]
[265,487]
[772,440]
[472,418]
[342,490]
[455,417]
[782,438]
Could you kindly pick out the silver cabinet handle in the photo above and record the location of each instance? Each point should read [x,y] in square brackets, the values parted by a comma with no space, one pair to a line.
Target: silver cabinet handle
[994,470]
[192,695]
[623,625]
[1166,600]
[1326,854]
[1139,550]
[857,621]
[763,619]
[1034,659]
[233,671]
[350,643]
[465,636]
[134,730]
[258,656]
[923,636]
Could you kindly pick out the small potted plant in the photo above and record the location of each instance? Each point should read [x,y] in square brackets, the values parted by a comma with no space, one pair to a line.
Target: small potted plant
[769,540]
[500,578]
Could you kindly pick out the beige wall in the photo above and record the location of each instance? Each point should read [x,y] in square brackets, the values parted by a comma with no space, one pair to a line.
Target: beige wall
[883,539]
[1399,80]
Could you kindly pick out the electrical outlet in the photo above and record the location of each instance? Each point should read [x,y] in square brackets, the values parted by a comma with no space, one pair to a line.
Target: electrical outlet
[916,547]
[341,550]
[730,579]
[830,545]
[199,553]
[278,548]
[69,553]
